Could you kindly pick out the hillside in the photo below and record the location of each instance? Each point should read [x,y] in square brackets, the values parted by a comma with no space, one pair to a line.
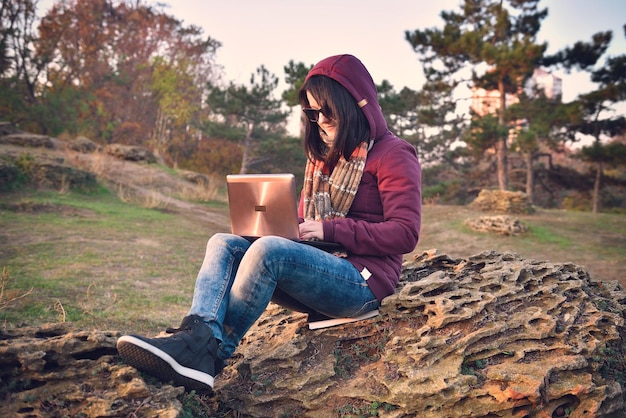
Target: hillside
[64,204]
[93,241]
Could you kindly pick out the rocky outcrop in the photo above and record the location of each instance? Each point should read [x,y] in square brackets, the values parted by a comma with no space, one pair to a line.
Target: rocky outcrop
[195,178]
[502,201]
[493,335]
[25,139]
[55,371]
[44,171]
[130,153]
[83,145]
[8,174]
[490,336]
[7,128]
[499,224]
[21,163]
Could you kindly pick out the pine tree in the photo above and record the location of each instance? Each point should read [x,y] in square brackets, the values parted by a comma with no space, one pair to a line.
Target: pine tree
[485,33]
[246,111]
[598,117]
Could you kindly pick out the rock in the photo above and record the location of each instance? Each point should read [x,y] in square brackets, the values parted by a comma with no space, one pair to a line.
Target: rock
[8,175]
[195,178]
[7,128]
[501,224]
[61,176]
[502,201]
[44,171]
[83,145]
[491,335]
[130,153]
[31,140]
[53,370]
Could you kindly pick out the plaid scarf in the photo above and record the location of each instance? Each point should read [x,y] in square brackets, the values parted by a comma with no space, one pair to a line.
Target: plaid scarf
[328,196]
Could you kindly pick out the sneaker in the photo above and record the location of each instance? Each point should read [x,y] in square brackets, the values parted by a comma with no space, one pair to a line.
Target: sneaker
[187,357]
[218,365]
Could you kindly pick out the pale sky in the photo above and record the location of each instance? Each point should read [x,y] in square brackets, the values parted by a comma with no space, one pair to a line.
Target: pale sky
[273,32]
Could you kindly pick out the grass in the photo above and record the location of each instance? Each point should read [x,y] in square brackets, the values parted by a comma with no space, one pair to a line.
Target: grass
[595,241]
[100,262]
[109,264]
[545,235]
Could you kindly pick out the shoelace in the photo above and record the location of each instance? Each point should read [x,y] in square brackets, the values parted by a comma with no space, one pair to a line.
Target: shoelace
[184,326]
[219,363]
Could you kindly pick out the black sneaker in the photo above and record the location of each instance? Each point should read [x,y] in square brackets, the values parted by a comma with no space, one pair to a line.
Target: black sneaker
[218,365]
[187,357]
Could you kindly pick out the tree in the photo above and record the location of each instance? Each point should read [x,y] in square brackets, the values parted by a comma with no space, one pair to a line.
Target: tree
[595,125]
[122,69]
[249,110]
[400,110]
[537,126]
[601,156]
[177,104]
[502,39]
[20,68]
[599,118]
[295,74]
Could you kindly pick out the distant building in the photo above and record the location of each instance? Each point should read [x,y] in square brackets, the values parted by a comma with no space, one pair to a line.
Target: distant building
[551,85]
[488,101]
[485,102]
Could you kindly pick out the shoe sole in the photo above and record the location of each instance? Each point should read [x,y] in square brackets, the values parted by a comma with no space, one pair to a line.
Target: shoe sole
[150,359]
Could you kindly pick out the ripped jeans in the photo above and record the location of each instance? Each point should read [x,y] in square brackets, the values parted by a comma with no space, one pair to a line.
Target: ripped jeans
[238,278]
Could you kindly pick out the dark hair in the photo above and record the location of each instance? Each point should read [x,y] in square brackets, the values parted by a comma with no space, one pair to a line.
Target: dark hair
[337,103]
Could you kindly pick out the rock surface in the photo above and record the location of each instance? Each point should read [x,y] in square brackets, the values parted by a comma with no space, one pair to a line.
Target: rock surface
[493,335]
[490,336]
[503,201]
[55,371]
[26,139]
[130,153]
[499,224]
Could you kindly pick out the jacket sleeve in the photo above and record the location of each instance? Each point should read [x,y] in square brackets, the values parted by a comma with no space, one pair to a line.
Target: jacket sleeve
[398,176]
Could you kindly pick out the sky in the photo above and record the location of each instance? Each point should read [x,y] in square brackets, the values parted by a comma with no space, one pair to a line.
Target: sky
[273,32]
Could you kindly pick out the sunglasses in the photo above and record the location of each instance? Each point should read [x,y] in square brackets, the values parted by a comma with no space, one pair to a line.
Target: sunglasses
[314,114]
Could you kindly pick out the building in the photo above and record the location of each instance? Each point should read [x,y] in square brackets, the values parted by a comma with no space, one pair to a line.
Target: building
[488,101]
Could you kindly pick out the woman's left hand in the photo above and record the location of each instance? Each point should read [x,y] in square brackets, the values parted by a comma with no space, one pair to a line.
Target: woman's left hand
[311,230]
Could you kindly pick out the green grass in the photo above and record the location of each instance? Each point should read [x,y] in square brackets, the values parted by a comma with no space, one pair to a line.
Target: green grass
[595,241]
[545,235]
[99,262]
[105,262]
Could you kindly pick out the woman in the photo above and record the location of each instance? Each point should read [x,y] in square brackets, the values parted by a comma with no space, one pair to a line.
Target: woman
[362,189]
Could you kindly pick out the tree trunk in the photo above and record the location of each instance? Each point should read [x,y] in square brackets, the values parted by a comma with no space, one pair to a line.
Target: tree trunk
[159,133]
[247,144]
[501,146]
[530,176]
[596,189]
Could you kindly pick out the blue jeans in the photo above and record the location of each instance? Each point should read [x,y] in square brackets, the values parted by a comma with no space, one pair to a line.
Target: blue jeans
[238,278]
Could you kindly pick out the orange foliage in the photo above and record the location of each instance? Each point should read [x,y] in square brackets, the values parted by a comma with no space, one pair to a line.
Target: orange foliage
[215,156]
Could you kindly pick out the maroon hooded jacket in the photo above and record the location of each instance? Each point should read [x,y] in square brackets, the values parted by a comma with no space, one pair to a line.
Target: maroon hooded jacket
[384,220]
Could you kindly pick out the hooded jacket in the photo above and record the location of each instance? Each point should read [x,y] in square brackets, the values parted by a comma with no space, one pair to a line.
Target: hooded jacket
[384,220]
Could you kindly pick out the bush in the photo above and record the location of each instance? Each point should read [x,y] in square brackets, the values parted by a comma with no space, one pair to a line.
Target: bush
[575,200]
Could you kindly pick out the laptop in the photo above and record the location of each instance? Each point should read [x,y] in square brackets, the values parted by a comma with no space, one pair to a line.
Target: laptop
[266,204]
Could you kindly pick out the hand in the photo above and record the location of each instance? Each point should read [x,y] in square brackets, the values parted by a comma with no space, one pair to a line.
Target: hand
[311,230]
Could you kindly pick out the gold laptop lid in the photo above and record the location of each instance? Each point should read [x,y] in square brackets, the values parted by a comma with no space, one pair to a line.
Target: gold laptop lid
[263,204]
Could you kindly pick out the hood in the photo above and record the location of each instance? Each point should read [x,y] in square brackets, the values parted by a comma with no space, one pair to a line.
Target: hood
[350,72]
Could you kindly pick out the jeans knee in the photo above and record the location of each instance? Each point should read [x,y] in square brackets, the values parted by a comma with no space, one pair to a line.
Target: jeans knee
[220,237]
[267,251]
[223,239]
[265,247]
